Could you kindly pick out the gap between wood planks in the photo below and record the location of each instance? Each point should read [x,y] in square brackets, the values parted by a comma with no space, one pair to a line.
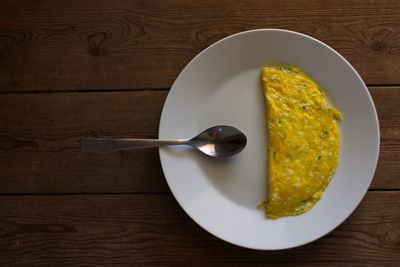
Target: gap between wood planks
[93,193]
[86,91]
[137,193]
[129,90]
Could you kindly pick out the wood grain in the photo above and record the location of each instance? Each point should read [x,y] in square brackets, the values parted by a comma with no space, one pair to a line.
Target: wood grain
[94,45]
[387,104]
[121,230]
[39,149]
[39,142]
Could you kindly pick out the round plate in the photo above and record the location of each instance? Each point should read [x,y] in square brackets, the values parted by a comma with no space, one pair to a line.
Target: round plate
[222,86]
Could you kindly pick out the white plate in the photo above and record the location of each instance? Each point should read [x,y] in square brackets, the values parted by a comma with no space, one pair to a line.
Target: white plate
[222,86]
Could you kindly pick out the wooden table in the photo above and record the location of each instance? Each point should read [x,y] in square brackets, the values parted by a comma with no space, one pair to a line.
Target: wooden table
[82,68]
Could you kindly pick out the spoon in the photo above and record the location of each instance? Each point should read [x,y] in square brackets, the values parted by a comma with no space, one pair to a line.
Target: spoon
[217,141]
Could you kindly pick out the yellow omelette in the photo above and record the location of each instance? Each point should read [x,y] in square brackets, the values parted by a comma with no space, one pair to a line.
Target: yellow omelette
[303,141]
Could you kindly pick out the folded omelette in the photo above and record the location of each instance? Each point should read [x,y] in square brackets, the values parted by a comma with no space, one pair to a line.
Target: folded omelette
[303,141]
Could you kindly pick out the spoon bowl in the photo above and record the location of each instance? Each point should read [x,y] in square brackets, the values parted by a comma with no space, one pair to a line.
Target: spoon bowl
[219,141]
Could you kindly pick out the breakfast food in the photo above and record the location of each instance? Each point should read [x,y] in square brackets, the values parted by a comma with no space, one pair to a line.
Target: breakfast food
[303,141]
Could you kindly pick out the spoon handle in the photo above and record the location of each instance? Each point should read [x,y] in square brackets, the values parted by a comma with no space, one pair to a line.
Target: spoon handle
[107,144]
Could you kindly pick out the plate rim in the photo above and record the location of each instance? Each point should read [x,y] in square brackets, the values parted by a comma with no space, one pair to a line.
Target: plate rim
[377,133]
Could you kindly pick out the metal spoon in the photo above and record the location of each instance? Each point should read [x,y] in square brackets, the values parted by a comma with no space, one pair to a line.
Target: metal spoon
[217,141]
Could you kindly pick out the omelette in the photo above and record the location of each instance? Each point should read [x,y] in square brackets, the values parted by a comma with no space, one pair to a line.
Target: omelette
[303,141]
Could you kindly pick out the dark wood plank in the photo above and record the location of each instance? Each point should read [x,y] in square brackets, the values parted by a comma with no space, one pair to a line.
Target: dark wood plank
[85,45]
[387,104]
[39,142]
[122,230]
[39,149]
